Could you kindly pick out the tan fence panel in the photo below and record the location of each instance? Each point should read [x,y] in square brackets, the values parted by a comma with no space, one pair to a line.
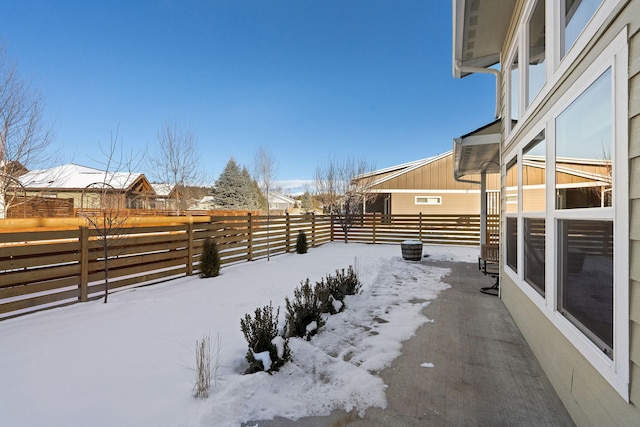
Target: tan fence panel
[42,267]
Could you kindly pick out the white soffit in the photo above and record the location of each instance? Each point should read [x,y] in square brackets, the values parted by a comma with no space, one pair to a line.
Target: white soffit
[478,151]
[479,31]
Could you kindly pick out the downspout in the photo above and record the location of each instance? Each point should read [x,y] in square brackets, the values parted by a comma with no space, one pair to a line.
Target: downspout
[460,69]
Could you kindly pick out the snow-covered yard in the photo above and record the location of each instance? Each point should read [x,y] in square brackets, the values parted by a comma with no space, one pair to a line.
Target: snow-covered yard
[130,362]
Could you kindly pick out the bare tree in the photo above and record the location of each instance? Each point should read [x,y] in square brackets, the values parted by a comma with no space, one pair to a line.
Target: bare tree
[23,135]
[103,203]
[265,170]
[177,161]
[342,183]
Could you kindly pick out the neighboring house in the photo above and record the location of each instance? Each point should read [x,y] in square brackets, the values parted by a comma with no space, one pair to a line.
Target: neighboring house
[165,196]
[423,186]
[207,203]
[567,148]
[85,185]
[280,202]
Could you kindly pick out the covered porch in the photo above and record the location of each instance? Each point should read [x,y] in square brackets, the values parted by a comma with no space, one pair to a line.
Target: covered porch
[478,153]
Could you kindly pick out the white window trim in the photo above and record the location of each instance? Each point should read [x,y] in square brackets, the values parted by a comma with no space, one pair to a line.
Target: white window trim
[616,371]
[439,202]
[556,67]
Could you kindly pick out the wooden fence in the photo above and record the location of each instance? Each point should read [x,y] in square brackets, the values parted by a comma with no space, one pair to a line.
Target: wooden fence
[48,267]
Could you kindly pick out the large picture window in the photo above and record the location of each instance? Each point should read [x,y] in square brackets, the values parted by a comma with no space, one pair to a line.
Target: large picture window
[576,14]
[583,149]
[585,278]
[536,62]
[514,77]
[565,188]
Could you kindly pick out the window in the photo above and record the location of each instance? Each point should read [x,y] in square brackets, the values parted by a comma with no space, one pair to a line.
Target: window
[583,149]
[511,185]
[511,208]
[585,278]
[533,175]
[514,77]
[533,210]
[575,16]
[536,62]
[565,189]
[428,200]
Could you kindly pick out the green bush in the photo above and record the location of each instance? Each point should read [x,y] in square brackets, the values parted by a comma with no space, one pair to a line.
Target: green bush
[343,283]
[210,260]
[301,243]
[261,333]
[303,311]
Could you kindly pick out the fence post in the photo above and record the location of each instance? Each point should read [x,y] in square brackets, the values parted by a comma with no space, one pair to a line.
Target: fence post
[331,219]
[288,234]
[313,230]
[374,228]
[190,247]
[84,264]
[250,238]
[420,226]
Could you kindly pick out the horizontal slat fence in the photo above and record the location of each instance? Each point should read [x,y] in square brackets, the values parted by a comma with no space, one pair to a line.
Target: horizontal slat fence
[53,267]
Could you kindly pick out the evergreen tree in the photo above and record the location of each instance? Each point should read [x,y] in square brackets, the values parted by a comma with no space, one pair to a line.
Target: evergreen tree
[231,190]
[256,197]
[307,202]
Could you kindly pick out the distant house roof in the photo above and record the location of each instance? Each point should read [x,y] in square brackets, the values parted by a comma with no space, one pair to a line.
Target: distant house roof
[280,198]
[162,189]
[76,177]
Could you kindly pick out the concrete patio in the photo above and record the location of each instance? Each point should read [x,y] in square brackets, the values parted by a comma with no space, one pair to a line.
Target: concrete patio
[484,373]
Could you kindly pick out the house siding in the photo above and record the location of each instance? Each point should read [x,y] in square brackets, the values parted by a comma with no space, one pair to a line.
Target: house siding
[589,398]
[435,175]
[452,203]
[634,205]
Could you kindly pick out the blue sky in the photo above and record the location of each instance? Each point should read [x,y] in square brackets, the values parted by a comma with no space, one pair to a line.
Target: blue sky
[309,80]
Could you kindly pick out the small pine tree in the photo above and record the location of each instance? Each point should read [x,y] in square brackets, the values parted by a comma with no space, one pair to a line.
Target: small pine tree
[305,309]
[301,243]
[260,333]
[210,260]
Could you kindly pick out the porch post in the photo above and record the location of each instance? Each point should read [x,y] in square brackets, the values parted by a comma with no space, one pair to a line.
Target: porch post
[483,209]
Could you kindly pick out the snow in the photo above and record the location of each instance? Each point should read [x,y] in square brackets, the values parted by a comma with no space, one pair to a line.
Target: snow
[427,365]
[263,357]
[312,327]
[131,362]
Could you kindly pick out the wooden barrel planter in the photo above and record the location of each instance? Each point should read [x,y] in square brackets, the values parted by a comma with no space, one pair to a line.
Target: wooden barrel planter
[411,250]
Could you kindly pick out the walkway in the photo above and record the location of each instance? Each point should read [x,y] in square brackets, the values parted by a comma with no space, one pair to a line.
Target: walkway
[484,372]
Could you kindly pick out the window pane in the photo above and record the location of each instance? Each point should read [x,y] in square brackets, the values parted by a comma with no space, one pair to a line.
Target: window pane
[515,84]
[583,148]
[537,74]
[585,278]
[511,190]
[577,14]
[533,175]
[534,232]
[512,243]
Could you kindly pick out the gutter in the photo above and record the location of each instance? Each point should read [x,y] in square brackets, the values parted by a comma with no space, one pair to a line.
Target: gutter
[460,69]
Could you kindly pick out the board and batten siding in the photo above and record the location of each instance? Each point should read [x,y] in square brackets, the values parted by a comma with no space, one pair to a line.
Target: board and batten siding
[589,398]
[461,203]
[434,175]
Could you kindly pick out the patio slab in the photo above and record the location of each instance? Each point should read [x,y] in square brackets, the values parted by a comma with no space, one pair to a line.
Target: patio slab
[483,374]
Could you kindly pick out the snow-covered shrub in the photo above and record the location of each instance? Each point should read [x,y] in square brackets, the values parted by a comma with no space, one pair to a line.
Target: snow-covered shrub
[301,243]
[268,351]
[305,309]
[343,283]
[210,260]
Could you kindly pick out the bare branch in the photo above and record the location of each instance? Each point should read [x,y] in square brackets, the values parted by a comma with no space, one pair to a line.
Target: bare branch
[177,160]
